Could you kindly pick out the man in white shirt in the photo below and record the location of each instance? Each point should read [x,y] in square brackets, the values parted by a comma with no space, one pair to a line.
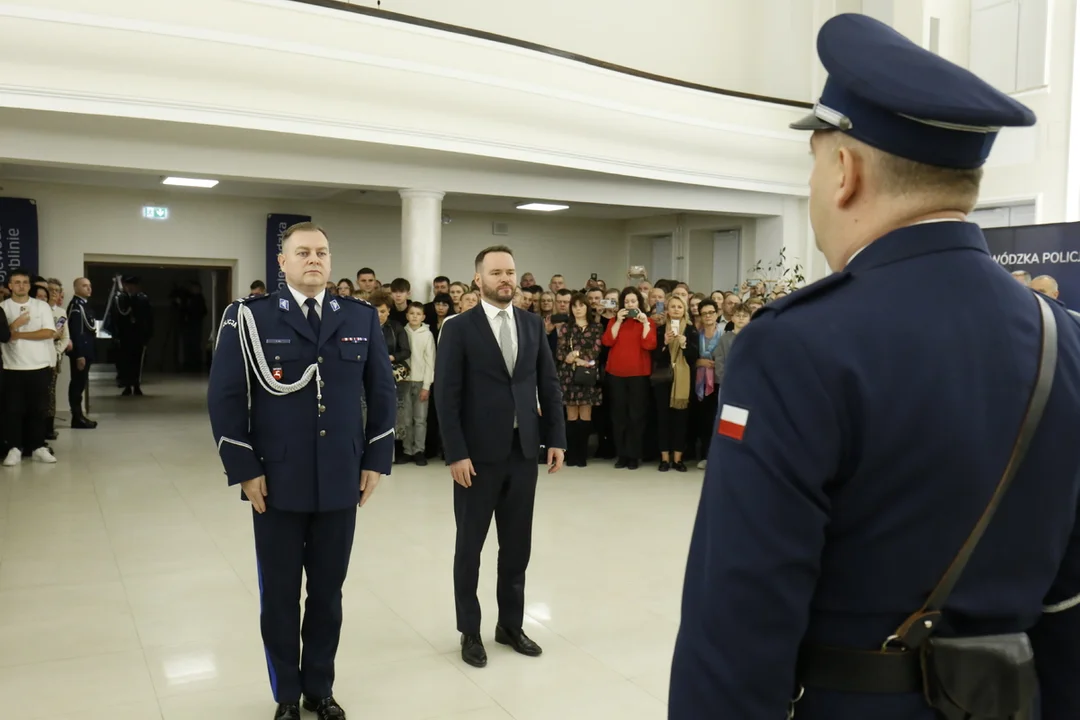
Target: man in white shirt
[28,360]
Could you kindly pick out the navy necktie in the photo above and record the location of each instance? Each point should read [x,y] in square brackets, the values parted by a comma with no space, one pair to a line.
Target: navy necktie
[313,316]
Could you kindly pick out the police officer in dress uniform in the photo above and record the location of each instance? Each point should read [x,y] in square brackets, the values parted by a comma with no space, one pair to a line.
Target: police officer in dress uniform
[134,328]
[83,332]
[283,399]
[858,443]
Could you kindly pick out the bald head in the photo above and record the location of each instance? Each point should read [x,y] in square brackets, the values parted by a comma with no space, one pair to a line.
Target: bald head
[1046,285]
[82,287]
[1022,276]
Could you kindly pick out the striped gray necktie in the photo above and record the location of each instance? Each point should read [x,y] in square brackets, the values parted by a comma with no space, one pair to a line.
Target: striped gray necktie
[506,343]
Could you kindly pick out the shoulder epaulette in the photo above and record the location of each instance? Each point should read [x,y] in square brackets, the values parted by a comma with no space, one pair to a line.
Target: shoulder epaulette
[811,292]
[362,301]
[252,298]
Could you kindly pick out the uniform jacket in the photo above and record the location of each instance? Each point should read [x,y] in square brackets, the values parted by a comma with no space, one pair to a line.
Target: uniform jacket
[80,324]
[311,451]
[874,440]
[135,323]
[477,399]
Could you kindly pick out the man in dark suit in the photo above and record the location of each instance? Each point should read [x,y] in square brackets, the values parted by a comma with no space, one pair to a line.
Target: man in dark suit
[283,399]
[492,368]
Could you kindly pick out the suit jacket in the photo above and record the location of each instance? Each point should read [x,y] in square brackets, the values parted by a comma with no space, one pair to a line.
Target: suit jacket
[477,399]
[311,450]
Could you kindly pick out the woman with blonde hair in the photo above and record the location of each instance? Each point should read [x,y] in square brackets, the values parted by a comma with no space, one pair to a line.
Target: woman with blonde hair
[674,358]
[457,289]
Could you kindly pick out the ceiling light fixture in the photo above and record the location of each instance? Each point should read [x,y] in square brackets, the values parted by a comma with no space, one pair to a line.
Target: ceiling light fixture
[542,207]
[189,182]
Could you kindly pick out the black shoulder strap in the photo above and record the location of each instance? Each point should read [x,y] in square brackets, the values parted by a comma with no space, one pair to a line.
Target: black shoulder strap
[921,624]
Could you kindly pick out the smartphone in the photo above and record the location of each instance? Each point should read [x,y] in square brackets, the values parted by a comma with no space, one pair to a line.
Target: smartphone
[660,306]
[609,303]
[632,313]
[675,326]
[637,271]
[560,318]
[593,276]
[60,324]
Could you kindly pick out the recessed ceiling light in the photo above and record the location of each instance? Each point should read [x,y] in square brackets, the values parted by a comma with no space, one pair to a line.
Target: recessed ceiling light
[542,207]
[189,182]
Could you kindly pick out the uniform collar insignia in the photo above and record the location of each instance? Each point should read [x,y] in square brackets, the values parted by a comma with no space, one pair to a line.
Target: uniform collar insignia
[283,303]
[334,305]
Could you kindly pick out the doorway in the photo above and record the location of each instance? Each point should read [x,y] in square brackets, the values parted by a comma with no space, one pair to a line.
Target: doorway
[186,301]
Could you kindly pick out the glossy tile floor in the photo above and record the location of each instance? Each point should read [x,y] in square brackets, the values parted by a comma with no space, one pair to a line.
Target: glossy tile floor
[128,587]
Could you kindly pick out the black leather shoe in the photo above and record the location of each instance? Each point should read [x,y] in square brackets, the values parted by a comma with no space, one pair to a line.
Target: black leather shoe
[679,466]
[83,423]
[632,465]
[326,709]
[421,459]
[664,466]
[287,711]
[620,463]
[472,650]
[518,640]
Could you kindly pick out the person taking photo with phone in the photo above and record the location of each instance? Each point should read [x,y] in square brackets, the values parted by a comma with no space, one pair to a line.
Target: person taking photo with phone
[632,338]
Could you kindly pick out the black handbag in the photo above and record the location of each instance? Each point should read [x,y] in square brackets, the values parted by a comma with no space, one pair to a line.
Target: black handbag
[586,376]
[990,677]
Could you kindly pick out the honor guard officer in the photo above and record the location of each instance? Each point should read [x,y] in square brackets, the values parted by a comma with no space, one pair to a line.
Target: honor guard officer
[83,331]
[284,406]
[860,549]
[134,328]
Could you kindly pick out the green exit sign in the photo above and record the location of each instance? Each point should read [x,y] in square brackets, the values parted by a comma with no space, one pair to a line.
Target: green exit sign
[151,212]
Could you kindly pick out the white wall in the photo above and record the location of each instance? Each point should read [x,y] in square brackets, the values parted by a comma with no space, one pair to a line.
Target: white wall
[743,45]
[76,221]
[1005,46]
[298,70]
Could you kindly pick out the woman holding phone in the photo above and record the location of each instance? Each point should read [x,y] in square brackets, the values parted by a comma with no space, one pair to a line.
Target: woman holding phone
[674,358]
[632,338]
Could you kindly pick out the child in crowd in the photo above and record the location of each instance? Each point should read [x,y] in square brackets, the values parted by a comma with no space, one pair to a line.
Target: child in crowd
[417,389]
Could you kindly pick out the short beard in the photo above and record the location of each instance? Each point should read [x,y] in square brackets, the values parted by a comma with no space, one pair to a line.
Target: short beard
[492,295]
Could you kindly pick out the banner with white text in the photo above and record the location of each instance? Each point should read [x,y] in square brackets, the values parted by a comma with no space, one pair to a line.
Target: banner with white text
[276,225]
[18,236]
[1052,250]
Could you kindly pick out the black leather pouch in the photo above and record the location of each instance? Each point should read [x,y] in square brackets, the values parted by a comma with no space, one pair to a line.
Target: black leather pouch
[980,678]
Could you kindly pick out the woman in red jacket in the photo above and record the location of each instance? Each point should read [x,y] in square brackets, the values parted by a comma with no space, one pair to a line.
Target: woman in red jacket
[631,337]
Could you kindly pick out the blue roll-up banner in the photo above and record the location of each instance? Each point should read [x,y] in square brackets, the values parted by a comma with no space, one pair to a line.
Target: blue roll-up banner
[1052,250]
[276,225]
[18,236]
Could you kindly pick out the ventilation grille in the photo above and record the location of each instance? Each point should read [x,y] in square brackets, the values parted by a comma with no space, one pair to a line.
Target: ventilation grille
[500,228]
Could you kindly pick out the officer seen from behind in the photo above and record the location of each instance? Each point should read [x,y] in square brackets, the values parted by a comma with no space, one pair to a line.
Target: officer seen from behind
[300,358]
[134,328]
[858,444]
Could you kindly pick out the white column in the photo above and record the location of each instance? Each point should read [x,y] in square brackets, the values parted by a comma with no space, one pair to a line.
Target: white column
[421,239]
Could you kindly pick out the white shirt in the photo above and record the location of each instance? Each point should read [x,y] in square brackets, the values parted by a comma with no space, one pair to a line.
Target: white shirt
[29,354]
[301,298]
[492,313]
